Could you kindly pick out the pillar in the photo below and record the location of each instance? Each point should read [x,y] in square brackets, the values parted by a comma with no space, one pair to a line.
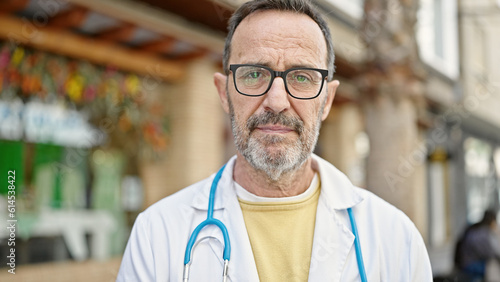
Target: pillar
[196,146]
[396,163]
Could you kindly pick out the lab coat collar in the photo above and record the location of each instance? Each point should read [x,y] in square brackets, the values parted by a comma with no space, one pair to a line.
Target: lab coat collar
[336,188]
[340,197]
[224,191]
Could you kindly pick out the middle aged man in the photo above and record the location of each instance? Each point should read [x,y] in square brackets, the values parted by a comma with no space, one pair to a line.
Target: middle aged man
[286,210]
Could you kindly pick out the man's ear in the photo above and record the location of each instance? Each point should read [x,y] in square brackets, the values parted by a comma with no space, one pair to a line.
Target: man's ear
[331,90]
[220,81]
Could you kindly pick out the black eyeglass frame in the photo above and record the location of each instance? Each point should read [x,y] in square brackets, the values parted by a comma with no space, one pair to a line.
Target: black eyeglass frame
[282,74]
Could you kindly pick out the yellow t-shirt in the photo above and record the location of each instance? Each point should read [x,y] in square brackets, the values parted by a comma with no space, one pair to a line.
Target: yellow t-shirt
[281,234]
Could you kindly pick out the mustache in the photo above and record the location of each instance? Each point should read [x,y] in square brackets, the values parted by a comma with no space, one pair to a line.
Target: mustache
[275,118]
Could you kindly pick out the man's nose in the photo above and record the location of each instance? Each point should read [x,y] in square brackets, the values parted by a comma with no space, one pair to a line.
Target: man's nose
[276,99]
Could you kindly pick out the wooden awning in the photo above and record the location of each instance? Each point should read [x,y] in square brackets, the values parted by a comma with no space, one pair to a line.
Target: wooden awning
[129,35]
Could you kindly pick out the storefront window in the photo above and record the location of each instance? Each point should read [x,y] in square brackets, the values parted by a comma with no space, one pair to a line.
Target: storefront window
[480,180]
[73,132]
[357,170]
[437,168]
[496,160]
[437,35]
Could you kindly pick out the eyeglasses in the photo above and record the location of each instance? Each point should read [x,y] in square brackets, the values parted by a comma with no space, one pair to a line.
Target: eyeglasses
[300,83]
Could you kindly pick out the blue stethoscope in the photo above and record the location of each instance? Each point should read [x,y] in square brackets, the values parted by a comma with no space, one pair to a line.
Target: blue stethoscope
[227,244]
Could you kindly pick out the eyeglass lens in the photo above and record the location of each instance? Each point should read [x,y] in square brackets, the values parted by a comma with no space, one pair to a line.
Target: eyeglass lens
[255,81]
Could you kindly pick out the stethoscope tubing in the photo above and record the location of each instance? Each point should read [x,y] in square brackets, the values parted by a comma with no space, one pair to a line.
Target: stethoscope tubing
[227,244]
[357,246]
[210,220]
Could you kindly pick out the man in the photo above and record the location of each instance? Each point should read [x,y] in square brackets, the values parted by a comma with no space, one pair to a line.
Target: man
[477,247]
[285,209]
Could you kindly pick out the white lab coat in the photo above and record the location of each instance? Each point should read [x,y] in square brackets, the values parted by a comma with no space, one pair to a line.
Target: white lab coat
[392,248]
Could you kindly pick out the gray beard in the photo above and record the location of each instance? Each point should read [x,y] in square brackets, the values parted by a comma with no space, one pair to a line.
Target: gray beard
[287,159]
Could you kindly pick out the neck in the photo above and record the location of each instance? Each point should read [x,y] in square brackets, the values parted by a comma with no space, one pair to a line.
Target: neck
[257,182]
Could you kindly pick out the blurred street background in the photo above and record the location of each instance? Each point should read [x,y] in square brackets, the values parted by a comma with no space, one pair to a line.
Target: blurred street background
[107,106]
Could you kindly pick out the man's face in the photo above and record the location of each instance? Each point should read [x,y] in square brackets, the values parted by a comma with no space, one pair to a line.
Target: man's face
[275,132]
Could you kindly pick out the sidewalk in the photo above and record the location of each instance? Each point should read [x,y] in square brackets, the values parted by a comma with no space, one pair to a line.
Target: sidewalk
[90,270]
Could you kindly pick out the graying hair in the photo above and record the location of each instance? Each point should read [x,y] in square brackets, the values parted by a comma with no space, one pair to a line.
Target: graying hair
[297,6]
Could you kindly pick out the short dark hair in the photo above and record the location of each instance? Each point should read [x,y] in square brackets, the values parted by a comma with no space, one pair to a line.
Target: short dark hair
[297,6]
[489,216]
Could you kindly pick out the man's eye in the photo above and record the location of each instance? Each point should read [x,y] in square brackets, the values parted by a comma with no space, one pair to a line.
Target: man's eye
[301,78]
[254,74]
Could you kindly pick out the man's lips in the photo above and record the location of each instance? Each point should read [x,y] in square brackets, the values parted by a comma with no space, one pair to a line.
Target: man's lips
[278,129]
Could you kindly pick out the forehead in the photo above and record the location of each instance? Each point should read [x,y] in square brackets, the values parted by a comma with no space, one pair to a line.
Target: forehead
[279,39]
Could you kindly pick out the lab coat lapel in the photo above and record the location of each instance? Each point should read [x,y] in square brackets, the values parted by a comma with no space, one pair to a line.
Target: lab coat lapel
[332,243]
[333,239]
[227,209]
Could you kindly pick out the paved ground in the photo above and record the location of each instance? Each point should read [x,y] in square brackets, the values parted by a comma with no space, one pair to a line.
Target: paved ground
[94,271]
